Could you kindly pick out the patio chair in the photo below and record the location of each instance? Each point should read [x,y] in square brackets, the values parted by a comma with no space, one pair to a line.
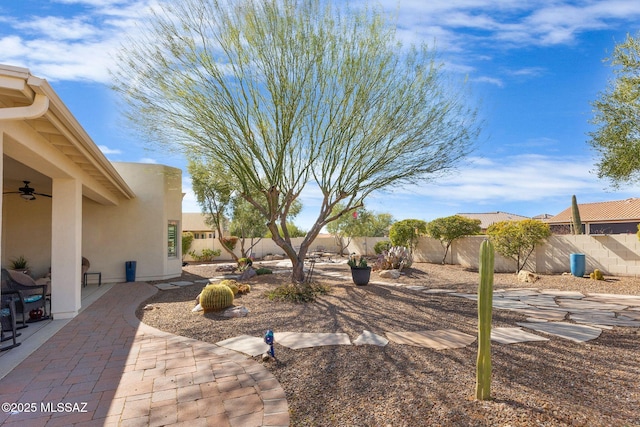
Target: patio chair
[8,322]
[27,294]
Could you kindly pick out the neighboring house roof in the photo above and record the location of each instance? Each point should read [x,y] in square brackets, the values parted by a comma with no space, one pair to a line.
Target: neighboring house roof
[543,217]
[194,221]
[619,210]
[488,218]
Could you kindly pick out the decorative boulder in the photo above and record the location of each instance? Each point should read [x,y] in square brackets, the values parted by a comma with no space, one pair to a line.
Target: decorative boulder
[527,277]
[235,312]
[247,274]
[390,274]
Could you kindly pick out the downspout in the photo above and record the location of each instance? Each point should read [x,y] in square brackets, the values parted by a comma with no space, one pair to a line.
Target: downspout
[37,109]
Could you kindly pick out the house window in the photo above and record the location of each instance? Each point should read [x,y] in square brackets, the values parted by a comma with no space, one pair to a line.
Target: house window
[614,228]
[172,251]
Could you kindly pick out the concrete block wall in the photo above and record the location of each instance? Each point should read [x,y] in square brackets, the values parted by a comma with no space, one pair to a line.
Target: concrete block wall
[617,255]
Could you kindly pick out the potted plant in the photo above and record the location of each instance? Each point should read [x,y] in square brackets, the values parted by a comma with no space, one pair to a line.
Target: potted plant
[360,271]
[20,264]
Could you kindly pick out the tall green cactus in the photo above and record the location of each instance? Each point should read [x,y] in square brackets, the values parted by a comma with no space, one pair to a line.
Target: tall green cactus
[575,216]
[216,298]
[485,306]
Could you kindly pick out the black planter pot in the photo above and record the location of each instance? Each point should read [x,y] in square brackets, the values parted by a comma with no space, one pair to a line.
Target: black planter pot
[360,275]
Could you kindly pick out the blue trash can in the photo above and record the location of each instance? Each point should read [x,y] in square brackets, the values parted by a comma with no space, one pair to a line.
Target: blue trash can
[578,264]
[130,268]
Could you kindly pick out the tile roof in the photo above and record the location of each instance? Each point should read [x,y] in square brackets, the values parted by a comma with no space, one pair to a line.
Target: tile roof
[628,209]
[488,218]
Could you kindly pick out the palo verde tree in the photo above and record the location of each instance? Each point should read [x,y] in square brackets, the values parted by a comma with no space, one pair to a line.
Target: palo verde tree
[288,93]
[617,116]
[450,228]
[518,239]
[358,223]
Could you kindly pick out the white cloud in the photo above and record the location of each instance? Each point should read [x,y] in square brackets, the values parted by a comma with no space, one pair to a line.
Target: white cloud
[489,80]
[148,160]
[523,178]
[58,28]
[107,150]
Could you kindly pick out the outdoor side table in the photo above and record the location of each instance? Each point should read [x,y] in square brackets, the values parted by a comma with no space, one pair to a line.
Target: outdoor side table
[99,274]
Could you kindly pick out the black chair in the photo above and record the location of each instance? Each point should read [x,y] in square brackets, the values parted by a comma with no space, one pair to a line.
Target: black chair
[27,298]
[8,322]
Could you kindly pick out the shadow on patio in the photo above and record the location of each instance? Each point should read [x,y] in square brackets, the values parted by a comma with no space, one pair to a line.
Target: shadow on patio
[105,367]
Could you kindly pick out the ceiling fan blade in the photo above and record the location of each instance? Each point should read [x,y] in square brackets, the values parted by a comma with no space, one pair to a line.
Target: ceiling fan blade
[41,194]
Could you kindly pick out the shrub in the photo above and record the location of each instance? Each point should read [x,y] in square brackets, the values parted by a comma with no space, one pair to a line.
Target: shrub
[263,270]
[206,255]
[381,246]
[244,263]
[229,242]
[187,239]
[298,293]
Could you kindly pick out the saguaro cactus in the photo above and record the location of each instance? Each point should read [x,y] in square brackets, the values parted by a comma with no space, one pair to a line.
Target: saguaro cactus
[485,306]
[575,216]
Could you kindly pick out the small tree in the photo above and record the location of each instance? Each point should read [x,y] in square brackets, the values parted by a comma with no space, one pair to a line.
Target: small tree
[576,222]
[450,228]
[357,223]
[247,224]
[407,232]
[518,239]
[213,189]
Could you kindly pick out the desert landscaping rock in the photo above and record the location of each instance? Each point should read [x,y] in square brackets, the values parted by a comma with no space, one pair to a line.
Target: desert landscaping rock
[557,382]
[298,340]
[389,274]
[369,338]
[570,331]
[246,344]
[438,340]
[513,336]
[182,283]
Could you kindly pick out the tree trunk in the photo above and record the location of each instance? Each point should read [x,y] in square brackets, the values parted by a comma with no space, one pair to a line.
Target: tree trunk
[297,275]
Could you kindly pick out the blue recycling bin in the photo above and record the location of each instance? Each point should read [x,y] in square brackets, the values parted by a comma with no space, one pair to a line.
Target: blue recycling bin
[578,264]
[130,268]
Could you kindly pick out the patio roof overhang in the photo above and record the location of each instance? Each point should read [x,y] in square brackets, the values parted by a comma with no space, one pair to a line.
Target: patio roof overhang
[67,147]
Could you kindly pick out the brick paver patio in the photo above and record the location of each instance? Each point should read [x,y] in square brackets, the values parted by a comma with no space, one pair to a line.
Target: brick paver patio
[106,368]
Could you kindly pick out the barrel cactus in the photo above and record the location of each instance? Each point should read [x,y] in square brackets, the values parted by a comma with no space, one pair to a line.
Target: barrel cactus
[231,284]
[216,298]
[597,275]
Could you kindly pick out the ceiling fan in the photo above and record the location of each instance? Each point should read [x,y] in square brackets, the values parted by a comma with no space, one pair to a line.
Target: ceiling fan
[26,192]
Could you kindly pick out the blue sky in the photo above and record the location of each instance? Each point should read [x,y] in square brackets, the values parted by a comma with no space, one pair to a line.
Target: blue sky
[533,66]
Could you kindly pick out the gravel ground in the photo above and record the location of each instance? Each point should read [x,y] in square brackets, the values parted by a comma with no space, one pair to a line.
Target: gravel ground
[553,383]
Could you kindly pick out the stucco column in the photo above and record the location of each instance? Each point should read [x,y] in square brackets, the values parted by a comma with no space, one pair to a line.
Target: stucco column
[66,248]
[1,185]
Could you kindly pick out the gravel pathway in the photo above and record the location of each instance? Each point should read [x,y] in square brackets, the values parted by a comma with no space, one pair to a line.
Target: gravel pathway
[552,383]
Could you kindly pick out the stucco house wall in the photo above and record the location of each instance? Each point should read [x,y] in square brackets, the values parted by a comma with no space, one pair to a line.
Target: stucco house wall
[136,229]
[109,213]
